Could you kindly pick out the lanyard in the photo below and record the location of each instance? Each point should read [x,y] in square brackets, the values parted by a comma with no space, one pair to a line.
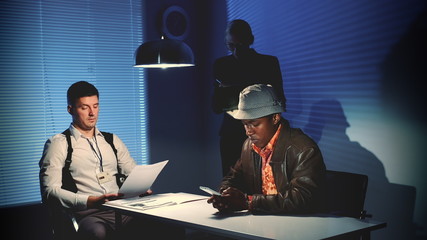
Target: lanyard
[99,156]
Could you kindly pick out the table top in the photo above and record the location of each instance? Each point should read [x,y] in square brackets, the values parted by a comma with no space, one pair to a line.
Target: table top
[245,225]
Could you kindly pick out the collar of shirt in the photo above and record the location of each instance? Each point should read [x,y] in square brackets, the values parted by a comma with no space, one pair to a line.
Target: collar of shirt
[77,134]
[266,151]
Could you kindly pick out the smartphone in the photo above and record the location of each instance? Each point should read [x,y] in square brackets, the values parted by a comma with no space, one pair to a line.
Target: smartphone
[210,191]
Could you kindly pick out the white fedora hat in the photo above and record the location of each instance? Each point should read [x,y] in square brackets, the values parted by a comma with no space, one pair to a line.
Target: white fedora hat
[257,101]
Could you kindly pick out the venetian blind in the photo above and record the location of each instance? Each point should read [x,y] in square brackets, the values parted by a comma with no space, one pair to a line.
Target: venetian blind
[45,47]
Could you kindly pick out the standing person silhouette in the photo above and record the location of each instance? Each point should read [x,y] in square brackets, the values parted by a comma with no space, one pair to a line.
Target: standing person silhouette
[232,73]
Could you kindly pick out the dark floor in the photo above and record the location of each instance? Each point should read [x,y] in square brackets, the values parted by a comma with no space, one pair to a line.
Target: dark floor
[26,222]
[199,235]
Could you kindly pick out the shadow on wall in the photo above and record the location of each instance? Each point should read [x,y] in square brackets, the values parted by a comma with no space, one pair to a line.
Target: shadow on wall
[392,203]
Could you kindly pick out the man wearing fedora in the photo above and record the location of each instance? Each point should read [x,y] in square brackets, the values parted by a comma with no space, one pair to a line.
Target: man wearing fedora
[281,170]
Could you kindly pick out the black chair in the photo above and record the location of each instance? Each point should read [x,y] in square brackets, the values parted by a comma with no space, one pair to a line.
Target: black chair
[345,196]
[63,224]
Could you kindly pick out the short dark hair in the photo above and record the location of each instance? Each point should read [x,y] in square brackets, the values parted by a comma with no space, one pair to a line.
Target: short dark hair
[80,89]
[242,30]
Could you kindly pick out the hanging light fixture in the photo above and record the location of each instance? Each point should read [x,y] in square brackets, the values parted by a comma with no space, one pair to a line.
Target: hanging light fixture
[171,51]
[164,53]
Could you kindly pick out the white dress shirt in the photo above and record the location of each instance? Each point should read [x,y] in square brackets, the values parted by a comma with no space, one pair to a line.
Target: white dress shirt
[85,165]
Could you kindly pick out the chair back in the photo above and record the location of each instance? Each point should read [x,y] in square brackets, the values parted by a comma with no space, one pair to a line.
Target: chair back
[345,193]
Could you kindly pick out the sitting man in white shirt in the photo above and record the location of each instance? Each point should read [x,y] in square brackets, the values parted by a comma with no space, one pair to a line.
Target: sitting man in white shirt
[94,164]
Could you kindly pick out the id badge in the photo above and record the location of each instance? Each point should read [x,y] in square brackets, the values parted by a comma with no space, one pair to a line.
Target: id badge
[104,177]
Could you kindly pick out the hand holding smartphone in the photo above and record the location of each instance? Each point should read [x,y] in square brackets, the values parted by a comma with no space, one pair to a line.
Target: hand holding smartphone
[210,191]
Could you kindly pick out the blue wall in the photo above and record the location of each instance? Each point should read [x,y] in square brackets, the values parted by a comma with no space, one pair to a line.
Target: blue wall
[181,126]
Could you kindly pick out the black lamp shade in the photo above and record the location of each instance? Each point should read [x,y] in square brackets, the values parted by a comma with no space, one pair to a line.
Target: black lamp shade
[164,53]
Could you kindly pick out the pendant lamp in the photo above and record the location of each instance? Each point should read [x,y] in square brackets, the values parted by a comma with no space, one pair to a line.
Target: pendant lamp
[164,53]
[170,51]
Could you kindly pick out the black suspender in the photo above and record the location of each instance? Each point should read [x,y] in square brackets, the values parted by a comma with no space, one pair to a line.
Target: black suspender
[67,180]
[109,138]
[120,178]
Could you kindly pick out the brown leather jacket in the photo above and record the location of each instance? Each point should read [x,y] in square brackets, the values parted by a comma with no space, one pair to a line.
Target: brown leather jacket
[298,171]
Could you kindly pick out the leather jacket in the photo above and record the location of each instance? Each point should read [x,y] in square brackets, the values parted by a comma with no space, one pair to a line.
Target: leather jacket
[298,171]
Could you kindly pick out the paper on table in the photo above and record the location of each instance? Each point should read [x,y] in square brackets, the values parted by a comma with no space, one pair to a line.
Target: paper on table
[156,201]
[140,179]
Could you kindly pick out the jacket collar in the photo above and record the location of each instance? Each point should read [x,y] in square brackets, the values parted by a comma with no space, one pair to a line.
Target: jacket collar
[281,144]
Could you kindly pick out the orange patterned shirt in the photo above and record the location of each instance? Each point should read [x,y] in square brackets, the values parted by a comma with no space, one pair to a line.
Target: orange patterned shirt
[268,184]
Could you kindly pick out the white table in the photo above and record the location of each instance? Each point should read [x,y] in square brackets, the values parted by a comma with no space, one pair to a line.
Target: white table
[200,215]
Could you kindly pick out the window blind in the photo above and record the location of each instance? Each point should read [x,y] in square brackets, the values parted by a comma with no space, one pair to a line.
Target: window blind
[45,47]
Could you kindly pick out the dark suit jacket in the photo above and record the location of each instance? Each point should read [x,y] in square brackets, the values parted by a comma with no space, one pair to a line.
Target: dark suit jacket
[237,74]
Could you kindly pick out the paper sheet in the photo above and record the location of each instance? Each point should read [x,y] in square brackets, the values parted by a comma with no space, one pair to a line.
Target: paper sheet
[156,201]
[140,179]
